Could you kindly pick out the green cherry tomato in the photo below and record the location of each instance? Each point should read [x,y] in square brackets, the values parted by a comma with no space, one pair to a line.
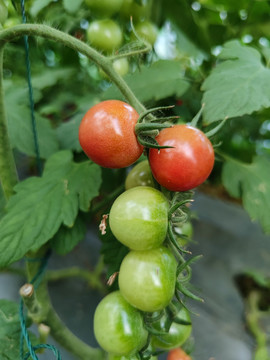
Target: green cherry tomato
[104,35]
[105,7]
[137,11]
[140,175]
[147,278]
[177,334]
[148,31]
[121,66]
[132,357]
[118,326]
[139,218]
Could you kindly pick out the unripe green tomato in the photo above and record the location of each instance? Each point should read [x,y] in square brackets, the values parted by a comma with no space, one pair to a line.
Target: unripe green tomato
[104,35]
[132,357]
[177,334]
[147,278]
[148,31]
[137,11]
[185,229]
[139,218]
[118,326]
[140,175]
[3,12]
[121,66]
[104,7]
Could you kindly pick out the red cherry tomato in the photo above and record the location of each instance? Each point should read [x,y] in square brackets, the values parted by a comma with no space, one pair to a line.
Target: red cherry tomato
[178,354]
[107,135]
[187,164]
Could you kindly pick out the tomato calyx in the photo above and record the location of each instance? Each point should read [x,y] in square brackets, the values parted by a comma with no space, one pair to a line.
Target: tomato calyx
[148,127]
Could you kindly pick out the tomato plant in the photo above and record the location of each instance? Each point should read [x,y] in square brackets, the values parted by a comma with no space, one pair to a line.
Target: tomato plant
[178,354]
[188,162]
[139,218]
[140,175]
[147,30]
[104,34]
[106,134]
[177,334]
[147,278]
[118,326]
[3,12]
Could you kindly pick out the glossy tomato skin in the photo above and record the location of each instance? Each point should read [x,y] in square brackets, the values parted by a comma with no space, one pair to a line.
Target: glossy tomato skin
[107,136]
[178,354]
[140,175]
[118,326]
[147,278]
[104,34]
[177,334]
[185,166]
[139,218]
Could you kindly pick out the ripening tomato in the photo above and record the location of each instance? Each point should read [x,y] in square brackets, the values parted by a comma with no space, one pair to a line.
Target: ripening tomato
[107,135]
[104,34]
[177,334]
[118,326]
[178,354]
[187,164]
[140,175]
[147,278]
[139,218]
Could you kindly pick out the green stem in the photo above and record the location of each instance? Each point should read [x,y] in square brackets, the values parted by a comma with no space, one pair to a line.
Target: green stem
[48,316]
[253,321]
[77,45]
[8,173]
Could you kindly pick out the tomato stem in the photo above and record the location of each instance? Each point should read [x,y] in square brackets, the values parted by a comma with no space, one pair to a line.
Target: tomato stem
[8,173]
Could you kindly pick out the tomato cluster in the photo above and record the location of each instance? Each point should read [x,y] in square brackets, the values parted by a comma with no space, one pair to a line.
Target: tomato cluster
[110,28]
[144,311]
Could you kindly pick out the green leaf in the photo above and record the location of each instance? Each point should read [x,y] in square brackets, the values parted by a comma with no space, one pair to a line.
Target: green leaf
[41,205]
[39,5]
[162,79]
[67,238]
[72,5]
[252,183]
[113,253]
[20,124]
[50,77]
[10,330]
[9,318]
[239,85]
[67,133]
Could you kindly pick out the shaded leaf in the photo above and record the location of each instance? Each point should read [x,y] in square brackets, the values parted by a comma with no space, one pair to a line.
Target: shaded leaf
[252,183]
[239,85]
[67,238]
[72,5]
[10,330]
[162,79]
[41,205]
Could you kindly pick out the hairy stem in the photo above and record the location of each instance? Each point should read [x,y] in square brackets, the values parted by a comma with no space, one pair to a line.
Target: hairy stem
[8,173]
[77,45]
